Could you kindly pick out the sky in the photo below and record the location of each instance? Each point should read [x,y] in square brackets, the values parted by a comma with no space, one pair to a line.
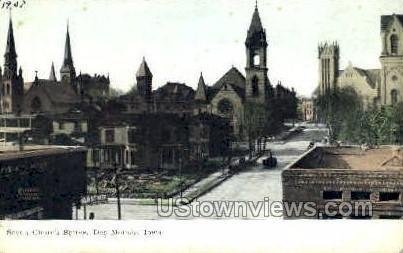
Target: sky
[181,38]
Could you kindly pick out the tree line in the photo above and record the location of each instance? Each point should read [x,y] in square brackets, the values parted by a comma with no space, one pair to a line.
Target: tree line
[352,122]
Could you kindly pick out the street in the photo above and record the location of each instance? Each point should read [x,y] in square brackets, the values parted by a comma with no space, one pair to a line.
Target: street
[254,184]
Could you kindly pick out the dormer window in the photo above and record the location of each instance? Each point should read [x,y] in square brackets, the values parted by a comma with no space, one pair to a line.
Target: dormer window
[394,44]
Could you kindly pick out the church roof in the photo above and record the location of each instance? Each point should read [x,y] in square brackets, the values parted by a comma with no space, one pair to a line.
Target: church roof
[233,76]
[387,19]
[56,92]
[144,70]
[175,92]
[372,75]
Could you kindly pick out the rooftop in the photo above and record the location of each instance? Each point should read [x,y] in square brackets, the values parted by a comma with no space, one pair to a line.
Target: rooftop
[352,158]
[13,152]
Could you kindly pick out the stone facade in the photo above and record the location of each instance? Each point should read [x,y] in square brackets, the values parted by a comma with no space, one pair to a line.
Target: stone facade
[375,86]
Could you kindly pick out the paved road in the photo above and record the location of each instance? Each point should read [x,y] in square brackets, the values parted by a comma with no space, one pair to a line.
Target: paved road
[255,185]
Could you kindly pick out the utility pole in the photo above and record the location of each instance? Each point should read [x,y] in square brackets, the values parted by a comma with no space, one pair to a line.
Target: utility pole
[117,187]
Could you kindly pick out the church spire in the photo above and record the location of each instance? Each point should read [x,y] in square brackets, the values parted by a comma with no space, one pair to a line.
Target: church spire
[256,32]
[67,72]
[68,59]
[52,76]
[201,89]
[10,56]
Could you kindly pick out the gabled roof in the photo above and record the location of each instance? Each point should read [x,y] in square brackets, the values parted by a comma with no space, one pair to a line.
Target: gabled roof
[175,92]
[233,76]
[387,19]
[57,92]
[372,75]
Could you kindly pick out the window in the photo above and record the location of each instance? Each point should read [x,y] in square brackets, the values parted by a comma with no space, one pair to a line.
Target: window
[332,194]
[393,96]
[389,196]
[394,44]
[255,86]
[358,195]
[109,135]
[256,60]
[225,107]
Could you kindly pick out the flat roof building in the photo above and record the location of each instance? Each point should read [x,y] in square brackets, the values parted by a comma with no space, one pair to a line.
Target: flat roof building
[334,179]
[41,181]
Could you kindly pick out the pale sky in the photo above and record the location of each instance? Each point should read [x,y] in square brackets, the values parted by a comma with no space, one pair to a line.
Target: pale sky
[181,38]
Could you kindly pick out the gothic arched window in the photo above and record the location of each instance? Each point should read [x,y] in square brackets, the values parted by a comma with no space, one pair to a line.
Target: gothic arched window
[255,86]
[394,44]
[393,96]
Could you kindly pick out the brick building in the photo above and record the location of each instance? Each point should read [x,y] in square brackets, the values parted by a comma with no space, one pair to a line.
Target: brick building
[347,175]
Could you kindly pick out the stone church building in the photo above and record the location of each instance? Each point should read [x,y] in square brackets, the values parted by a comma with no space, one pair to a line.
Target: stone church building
[227,97]
[375,86]
[48,96]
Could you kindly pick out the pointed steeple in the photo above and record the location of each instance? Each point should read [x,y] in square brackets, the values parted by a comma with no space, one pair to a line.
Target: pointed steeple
[67,72]
[201,93]
[256,24]
[52,75]
[143,70]
[10,56]
[144,79]
[68,59]
[256,32]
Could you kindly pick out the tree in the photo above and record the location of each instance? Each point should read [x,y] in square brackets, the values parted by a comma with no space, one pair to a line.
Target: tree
[340,109]
[254,123]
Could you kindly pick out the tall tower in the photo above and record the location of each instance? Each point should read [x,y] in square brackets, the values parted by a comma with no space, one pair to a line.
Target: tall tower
[391,86]
[256,61]
[67,72]
[328,55]
[144,79]
[12,85]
